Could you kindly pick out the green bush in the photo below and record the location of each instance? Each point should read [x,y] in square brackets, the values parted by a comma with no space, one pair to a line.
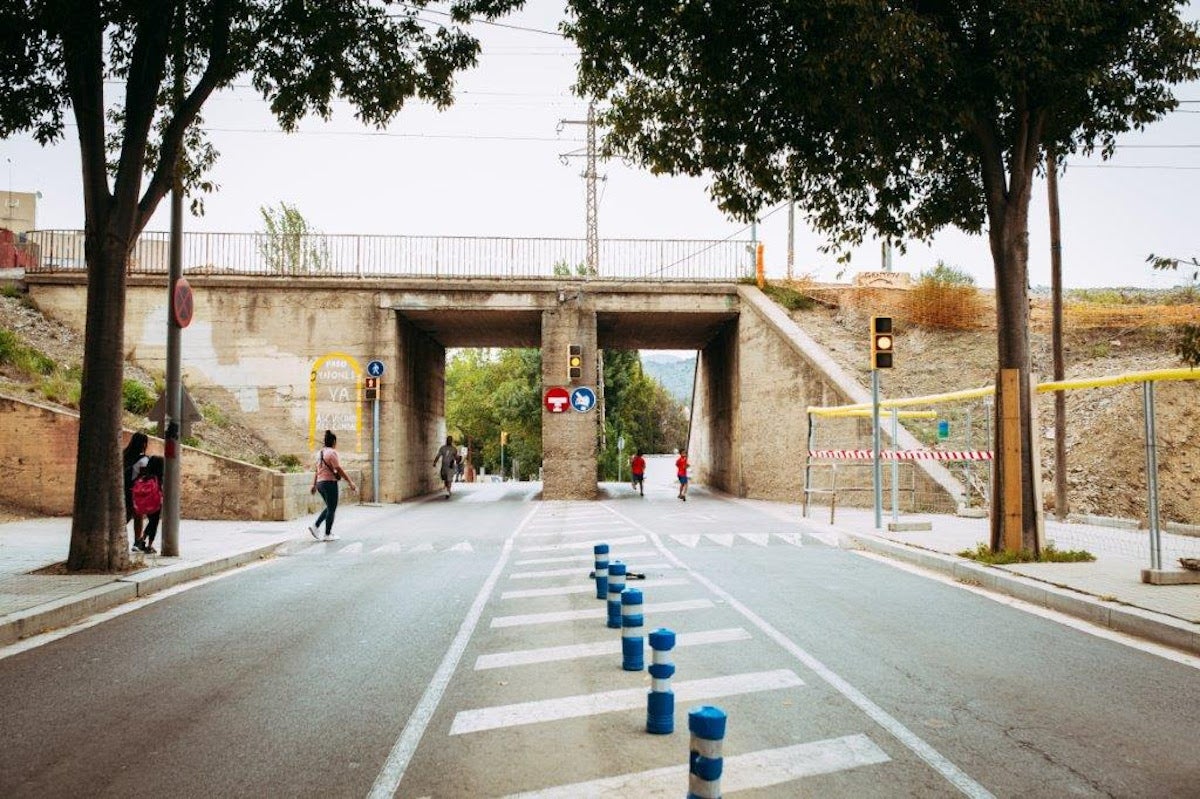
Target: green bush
[214,415]
[290,462]
[62,388]
[984,554]
[136,398]
[788,298]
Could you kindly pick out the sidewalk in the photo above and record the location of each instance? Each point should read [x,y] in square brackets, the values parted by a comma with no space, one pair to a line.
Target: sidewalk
[34,603]
[1108,591]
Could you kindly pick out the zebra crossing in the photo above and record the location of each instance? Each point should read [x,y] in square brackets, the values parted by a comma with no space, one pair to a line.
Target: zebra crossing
[563,615]
[341,547]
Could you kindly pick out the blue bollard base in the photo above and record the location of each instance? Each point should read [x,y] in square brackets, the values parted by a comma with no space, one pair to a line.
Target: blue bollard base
[660,726]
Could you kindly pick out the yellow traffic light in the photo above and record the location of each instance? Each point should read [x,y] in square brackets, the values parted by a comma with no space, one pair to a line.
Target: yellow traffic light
[882,342]
[575,363]
[503,437]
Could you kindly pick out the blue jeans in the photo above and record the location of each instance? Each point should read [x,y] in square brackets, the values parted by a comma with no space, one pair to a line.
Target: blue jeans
[328,489]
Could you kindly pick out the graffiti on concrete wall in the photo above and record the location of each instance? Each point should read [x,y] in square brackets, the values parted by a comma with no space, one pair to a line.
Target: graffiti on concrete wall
[334,394]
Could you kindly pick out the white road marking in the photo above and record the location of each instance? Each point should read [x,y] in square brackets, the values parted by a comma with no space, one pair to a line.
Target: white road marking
[525,657]
[761,539]
[952,773]
[1149,647]
[562,590]
[795,539]
[583,531]
[426,547]
[593,613]
[761,769]
[465,546]
[578,570]
[581,558]
[316,548]
[687,540]
[724,539]
[392,548]
[630,539]
[351,549]
[570,707]
[559,559]
[402,751]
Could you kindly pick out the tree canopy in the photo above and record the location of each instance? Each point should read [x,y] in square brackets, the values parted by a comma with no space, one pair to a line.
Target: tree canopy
[133,76]
[888,119]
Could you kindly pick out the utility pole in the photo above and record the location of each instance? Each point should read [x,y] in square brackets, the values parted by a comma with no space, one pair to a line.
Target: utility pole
[1056,339]
[173,410]
[791,254]
[592,264]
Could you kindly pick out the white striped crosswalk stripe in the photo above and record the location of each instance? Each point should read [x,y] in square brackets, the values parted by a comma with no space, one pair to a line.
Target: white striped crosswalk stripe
[563,590]
[568,707]
[593,613]
[629,539]
[549,654]
[761,769]
[579,558]
[627,559]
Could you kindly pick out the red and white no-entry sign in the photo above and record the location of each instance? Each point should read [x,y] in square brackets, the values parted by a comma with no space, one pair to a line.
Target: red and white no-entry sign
[557,400]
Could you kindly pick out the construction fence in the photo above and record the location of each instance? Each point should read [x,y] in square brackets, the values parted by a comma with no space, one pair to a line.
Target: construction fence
[935,457]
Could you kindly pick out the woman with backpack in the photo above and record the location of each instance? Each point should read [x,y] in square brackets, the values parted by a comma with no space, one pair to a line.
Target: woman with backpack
[147,500]
[133,460]
[325,480]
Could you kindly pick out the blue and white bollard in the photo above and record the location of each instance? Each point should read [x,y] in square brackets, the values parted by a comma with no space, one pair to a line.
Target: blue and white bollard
[660,703]
[616,584]
[601,553]
[707,725]
[632,642]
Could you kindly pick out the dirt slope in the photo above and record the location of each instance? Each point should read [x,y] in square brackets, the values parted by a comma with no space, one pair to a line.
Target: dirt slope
[1105,429]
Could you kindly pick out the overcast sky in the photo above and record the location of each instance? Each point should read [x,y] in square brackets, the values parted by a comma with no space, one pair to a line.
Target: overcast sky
[491,166]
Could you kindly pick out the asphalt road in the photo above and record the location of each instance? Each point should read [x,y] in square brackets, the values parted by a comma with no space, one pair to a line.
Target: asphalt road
[455,648]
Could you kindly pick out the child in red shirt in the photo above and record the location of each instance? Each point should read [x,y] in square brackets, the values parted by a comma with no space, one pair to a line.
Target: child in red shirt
[681,467]
[637,467]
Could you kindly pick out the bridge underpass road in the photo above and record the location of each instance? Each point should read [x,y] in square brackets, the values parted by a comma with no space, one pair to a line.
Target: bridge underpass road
[454,648]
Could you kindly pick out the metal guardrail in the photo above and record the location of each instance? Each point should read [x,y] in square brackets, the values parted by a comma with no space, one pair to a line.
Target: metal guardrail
[362,256]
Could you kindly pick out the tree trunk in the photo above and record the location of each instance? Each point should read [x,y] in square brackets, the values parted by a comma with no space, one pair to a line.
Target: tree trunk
[1061,505]
[1009,237]
[98,536]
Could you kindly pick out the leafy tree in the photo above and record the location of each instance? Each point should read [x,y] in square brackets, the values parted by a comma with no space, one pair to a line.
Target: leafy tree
[1187,342]
[291,246]
[883,118]
[639,408]
[489,391]
[60,56]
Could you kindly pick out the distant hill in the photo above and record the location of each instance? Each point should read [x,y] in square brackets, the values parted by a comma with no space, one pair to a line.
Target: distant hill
[675,372]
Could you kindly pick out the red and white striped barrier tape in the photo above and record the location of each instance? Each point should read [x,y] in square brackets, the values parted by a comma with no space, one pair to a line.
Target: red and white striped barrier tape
[902,455]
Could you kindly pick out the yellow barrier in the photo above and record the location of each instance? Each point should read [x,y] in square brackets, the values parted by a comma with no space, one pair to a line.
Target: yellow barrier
[1182,373]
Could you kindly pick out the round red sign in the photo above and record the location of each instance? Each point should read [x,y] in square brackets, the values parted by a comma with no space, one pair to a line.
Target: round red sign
[557,400]
[182,302]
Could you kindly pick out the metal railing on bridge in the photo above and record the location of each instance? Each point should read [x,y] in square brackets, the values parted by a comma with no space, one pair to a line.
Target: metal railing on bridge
[362,256]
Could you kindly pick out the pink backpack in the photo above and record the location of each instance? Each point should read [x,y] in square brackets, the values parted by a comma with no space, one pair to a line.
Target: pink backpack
[147,496]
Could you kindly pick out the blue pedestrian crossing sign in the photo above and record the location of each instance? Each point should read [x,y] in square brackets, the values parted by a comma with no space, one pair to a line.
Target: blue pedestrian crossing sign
[583,399]
[375,368]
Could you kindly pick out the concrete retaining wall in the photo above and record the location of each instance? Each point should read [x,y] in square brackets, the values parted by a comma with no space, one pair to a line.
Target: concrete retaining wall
[39,453]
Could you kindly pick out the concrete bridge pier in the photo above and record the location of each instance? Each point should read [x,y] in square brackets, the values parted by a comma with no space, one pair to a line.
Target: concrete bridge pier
[569,438]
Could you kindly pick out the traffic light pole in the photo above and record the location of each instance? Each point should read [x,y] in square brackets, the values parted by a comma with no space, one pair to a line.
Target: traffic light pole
[877,468]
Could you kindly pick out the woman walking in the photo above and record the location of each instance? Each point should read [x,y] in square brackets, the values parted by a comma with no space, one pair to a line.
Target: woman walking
[133,460]
[325,480]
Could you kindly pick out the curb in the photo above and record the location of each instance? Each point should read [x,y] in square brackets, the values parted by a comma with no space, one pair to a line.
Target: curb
[1146,624]
[69,610]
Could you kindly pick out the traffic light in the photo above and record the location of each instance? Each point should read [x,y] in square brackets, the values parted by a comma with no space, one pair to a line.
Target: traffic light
[575,363]
[371,388]
[882,342]
[503,437]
